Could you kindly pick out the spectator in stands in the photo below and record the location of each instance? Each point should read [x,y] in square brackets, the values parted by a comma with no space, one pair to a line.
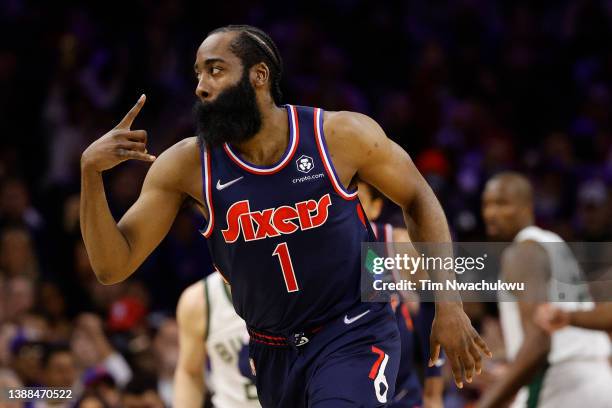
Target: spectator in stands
[93,349]
[17,253]
[141,392]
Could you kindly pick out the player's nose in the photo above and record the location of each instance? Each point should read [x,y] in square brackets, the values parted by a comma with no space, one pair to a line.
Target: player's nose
[488,214]
[202,91]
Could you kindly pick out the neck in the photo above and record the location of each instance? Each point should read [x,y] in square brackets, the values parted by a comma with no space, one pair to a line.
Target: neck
[269,144]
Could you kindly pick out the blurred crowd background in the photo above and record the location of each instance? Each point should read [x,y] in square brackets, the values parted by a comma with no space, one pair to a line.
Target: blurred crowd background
[467,87]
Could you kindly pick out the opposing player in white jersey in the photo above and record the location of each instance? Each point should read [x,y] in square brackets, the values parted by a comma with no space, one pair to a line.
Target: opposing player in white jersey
[568,368]
[210,329]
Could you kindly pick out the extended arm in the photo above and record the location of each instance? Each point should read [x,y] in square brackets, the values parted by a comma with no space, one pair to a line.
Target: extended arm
[360,148]
[599,318]
[551,318]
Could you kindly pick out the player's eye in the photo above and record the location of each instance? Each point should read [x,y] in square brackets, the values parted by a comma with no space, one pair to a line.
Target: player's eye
[215,70]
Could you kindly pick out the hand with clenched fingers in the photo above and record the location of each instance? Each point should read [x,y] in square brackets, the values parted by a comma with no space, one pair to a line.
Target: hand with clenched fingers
[119,144]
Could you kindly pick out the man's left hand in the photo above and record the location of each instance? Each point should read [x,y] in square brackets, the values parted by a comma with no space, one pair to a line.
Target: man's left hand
[453,330]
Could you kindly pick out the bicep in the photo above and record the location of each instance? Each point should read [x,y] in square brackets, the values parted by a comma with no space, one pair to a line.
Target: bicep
[386,166]
[149,219]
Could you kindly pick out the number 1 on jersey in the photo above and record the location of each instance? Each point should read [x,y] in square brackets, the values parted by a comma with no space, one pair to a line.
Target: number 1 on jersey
[282,252]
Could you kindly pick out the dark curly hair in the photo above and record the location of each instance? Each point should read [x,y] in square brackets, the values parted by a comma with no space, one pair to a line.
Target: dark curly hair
[253,46]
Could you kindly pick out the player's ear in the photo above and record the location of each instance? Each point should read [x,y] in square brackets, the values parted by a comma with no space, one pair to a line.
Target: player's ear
[260,73]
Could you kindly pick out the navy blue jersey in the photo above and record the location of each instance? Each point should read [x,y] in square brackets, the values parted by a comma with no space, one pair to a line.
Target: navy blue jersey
[286,237]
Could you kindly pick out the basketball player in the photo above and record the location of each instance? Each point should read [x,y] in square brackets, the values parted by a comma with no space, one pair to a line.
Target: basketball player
[284,226]
[414,322]
[569,368]
[552,318]
[209,328]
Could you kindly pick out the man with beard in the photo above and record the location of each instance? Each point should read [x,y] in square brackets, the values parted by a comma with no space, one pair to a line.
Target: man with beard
[284,226]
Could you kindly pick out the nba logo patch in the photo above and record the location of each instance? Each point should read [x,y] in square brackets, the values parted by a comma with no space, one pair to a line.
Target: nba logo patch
[304,163]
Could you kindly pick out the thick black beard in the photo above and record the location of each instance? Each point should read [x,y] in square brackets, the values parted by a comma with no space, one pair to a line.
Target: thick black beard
[233,116]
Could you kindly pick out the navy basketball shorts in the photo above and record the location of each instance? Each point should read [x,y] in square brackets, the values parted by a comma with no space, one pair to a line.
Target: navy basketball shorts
[351,362]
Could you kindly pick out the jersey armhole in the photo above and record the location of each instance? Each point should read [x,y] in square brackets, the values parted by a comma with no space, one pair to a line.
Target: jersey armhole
[209,224]
[327,162]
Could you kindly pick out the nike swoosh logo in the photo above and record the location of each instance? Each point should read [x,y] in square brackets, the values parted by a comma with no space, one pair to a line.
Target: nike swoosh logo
[229,183]
[354,319]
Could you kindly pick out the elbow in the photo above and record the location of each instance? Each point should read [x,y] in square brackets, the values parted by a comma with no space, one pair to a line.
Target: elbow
[422,201]
[108,277]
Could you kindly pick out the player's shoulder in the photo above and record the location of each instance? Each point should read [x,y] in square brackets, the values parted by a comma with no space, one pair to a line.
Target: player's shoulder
[347,123]
[183,152]
[192,302]
[524,250]
[353,137]
[521,259]
[174,165]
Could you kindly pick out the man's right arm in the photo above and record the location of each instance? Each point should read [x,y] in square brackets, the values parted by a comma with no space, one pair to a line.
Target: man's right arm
[116,249]
[189,375]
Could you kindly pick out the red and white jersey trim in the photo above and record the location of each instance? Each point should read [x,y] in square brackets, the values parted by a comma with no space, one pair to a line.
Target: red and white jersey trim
[294,138]
[208,194]
[329,168]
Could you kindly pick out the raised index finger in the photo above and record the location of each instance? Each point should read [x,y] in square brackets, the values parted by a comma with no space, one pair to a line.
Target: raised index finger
[127,120]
